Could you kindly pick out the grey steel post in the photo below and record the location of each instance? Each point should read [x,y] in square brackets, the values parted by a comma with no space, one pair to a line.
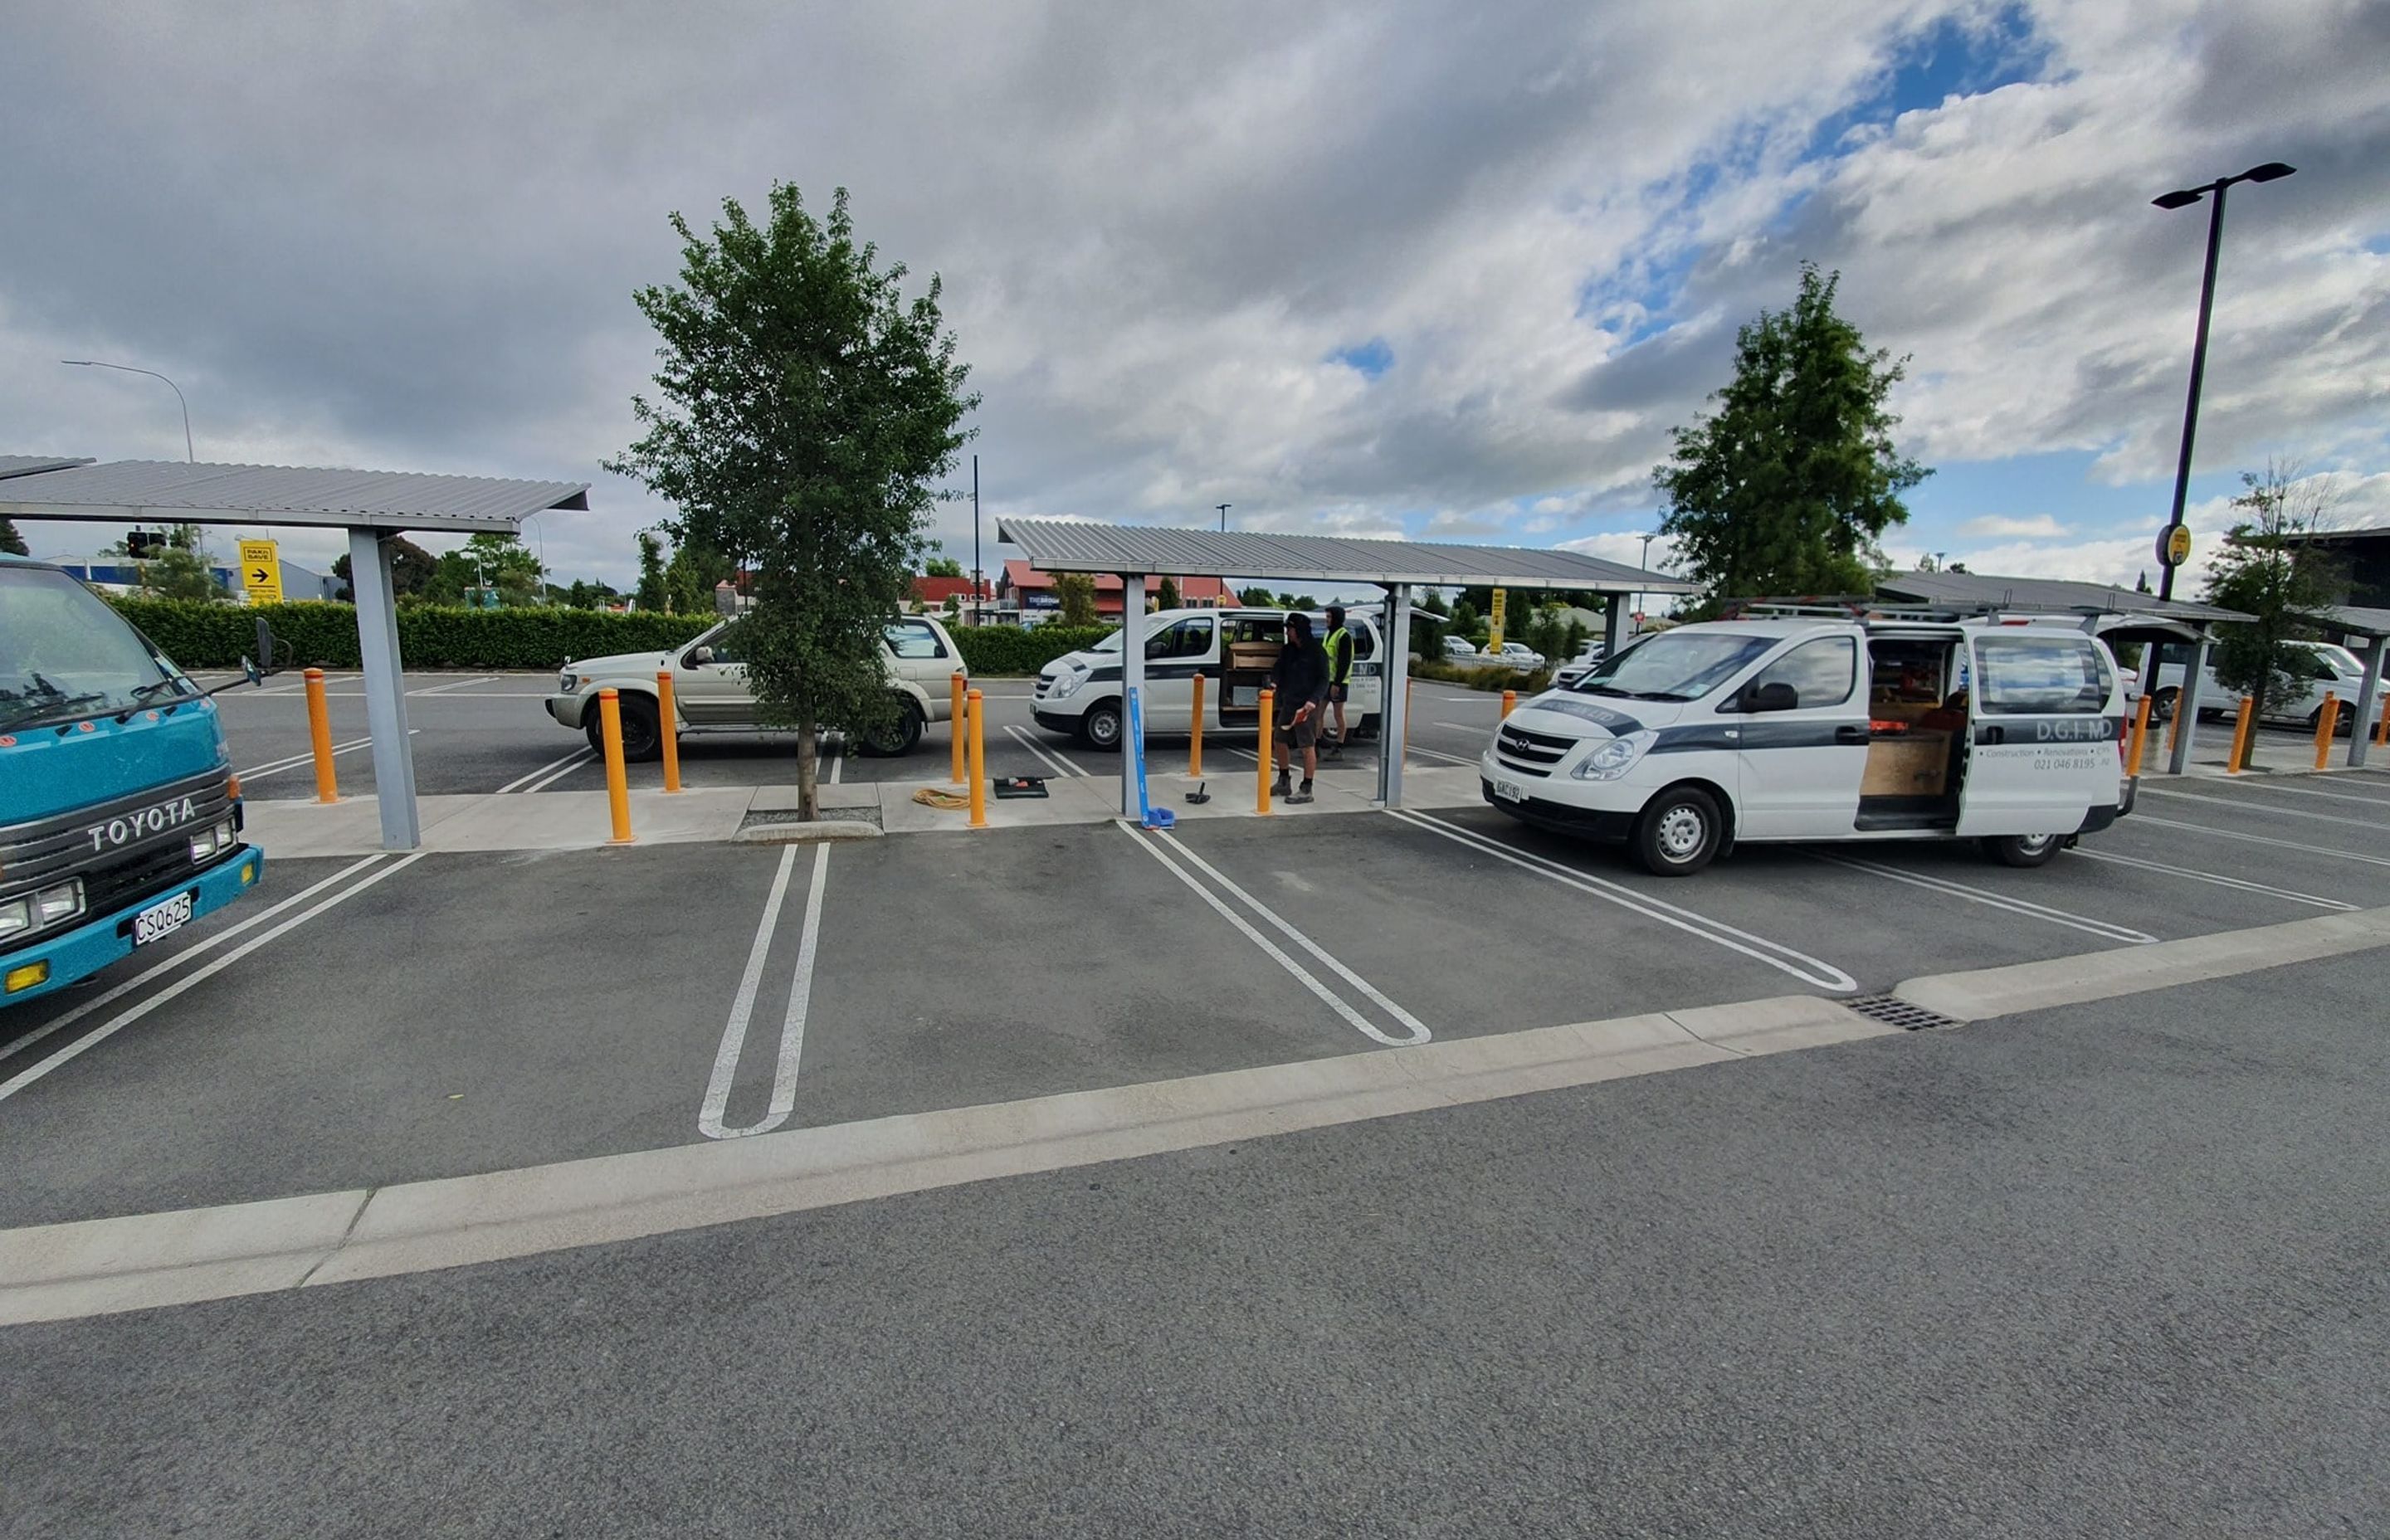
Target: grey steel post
[1132,678]
[1614,622]
[2186,704]
[394,754]
[1394,717]
[2369,702]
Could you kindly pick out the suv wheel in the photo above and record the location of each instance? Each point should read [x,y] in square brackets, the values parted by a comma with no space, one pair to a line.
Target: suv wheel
[1100,726]
[1678,832]
[2162,703]
[898,737]
[642,735]
[2024,849]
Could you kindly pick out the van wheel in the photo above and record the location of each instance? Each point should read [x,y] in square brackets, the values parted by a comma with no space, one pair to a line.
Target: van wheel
[897,737]
[1678,832]
[642,739]
[1099,727]
[2024,849]
[2341,729]
[2162,703]
[1367,727]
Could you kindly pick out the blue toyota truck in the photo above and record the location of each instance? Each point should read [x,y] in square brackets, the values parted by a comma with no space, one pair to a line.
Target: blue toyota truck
[119,815]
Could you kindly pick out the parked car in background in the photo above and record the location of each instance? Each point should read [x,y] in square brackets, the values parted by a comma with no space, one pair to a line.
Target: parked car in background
[2327,670]
[1520,655]
[711,692]
[1233,649]
[1457,648]
[1579,666]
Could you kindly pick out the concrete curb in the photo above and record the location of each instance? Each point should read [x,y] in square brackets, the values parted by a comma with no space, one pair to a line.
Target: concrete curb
[54,1272]
[1989,992]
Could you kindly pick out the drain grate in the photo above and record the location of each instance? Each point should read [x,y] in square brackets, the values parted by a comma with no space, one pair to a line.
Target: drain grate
[1893,1010]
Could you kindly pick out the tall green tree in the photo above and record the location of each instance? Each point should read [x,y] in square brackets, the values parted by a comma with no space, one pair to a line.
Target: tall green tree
[650,594]
[2265,569]
[690,576]
[808,412]
[181,572]
[1787,486]
[943,566]
[1257,597]
[505,563]
[1167,594]
[10,540]
[1077,594]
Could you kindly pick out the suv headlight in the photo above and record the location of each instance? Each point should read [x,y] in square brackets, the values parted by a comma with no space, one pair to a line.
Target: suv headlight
[1614,758]
[1066,682]
[568,681]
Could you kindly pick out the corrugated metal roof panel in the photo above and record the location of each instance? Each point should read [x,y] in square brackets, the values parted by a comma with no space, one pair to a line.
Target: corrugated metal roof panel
[2357,618]
[169,490]
[28,465]
[1073,545]
[2026,593]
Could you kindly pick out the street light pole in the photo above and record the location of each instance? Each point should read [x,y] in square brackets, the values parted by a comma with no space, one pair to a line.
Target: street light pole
[188,457]
[1223,516]
[2271,171]
[978,618]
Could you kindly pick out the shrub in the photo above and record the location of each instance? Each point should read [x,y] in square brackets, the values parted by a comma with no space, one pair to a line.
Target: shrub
[198,634]
[1494,679]
[1003,649]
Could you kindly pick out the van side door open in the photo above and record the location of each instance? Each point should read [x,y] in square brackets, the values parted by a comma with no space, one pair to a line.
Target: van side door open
[2045,714]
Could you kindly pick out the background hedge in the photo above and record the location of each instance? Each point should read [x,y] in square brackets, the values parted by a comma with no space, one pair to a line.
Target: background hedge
[1012,649]
[199,635]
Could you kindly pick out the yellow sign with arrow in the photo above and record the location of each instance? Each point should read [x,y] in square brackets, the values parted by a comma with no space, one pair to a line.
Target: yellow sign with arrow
[261,571]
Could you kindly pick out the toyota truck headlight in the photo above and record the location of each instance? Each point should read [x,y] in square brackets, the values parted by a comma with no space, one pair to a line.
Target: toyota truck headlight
[1066,682]
[15,916]
[63,902]
[1614,758]
[568,682]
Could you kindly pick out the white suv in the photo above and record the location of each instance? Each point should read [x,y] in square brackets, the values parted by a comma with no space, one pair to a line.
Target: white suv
[710,689]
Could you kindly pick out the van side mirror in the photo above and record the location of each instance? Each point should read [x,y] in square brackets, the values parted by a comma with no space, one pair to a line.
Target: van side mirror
[699,656]
[1775,697]
[251,672]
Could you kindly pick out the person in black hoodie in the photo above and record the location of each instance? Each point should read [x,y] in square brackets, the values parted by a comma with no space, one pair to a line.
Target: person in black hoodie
[1299,678]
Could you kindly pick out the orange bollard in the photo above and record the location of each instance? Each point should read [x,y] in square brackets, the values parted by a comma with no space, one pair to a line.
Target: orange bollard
[1269,752]
[668,724]
[961,709]
[1195,739]
[2382,733]
[2140,740]
[2327,728]
[2243,725]
[618,785]
[1509,702]
[319,734]
[978,764]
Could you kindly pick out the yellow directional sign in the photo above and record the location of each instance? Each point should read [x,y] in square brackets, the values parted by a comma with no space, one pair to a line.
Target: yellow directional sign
[261,571]
[1494,633]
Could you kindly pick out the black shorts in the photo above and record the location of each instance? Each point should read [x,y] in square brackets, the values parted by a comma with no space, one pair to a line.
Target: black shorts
[1336,693]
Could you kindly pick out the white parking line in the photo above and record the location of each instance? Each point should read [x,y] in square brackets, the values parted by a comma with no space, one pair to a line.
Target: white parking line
[2311,791]
[742,1007]
[2241,884]
[176,960]
[1045,756]
[1331,999]
[276,767]
[2023,907]
[1813,971]
[2275,811]
[2153,820]
[454,684]
[134,1013]
[564,762]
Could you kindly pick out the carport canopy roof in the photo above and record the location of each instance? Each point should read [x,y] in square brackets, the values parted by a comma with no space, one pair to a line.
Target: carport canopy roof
[2052,593]
[2357,619]
[1075,545]
[171,492]
[28,465]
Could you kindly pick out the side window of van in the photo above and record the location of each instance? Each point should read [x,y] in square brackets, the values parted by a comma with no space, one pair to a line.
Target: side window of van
[2025,676]
[1189,638]
[1823,672]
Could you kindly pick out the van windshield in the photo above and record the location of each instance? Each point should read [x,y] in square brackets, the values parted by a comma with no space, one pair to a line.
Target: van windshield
[1674,665]
[65,654]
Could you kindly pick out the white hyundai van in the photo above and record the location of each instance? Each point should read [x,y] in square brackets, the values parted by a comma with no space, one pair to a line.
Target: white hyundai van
[2325,669]
[1080,693]
[1690,740]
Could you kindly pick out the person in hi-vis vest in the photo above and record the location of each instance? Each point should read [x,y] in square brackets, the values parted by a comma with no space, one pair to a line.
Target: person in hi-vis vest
[1339,645]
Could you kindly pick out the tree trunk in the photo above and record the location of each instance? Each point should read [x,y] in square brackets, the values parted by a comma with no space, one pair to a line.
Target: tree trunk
[808,773]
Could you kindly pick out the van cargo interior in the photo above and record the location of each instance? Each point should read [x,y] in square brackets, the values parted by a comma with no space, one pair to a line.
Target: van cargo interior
[1917,734]
[1249,645]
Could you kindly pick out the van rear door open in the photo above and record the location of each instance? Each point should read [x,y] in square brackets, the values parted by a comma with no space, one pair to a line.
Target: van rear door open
[2045,714]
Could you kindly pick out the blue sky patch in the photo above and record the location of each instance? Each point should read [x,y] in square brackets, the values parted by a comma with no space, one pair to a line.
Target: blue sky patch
[1948,58]
[1372,358]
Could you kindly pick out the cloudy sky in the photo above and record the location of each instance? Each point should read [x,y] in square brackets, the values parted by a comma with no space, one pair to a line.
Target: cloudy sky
[1394,266]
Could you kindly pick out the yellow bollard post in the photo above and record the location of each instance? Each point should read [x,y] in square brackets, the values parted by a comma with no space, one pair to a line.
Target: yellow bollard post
[2241,727]
[2140,740]
[1269,752]
[960,711]
[1509,702]
[978,764]
[319,735]
[1195,738]
[2327,728]
[668,724]
[618,786]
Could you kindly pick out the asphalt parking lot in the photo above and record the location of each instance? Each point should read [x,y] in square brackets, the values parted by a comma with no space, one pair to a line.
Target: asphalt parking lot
[389,1019]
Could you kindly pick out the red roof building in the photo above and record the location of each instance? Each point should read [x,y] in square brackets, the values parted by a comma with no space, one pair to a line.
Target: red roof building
[935,591]
[1023,584]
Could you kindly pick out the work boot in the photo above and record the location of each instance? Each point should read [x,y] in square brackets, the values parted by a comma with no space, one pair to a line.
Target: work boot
[1304,795]
[1280,789]
[1335,750]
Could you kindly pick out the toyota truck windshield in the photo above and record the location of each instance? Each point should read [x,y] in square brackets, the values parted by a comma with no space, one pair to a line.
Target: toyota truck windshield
[1674,665]
[65,654]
